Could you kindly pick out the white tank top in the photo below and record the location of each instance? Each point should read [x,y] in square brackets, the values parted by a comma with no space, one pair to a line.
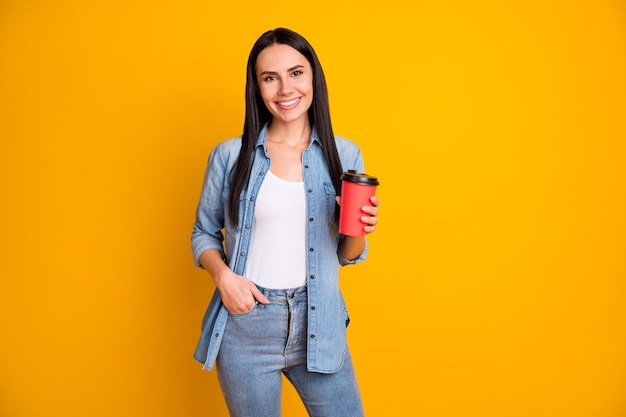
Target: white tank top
[277,254]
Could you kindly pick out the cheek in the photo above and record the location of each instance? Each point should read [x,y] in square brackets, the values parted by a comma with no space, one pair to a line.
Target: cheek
[267,94]
[307,85]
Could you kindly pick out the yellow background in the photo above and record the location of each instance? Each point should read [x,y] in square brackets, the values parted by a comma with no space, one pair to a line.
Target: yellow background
[495,286]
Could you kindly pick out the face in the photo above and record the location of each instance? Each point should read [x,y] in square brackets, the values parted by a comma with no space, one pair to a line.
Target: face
[285,80]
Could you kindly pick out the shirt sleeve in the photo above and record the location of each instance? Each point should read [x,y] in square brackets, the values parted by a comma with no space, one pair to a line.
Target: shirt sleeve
[352,159]
[343,261]
[210,213]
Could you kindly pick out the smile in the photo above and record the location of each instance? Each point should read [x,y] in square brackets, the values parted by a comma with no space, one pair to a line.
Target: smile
[289,103]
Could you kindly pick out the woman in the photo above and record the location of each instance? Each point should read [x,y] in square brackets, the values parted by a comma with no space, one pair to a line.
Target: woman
[271,197]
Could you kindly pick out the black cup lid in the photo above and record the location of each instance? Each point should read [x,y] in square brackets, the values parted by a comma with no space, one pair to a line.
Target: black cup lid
[355,177]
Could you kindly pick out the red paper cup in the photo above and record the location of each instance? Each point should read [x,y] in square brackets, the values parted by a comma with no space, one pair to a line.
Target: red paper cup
[356,190]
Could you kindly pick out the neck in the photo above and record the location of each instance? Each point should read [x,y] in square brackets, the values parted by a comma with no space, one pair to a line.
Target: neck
[292,134]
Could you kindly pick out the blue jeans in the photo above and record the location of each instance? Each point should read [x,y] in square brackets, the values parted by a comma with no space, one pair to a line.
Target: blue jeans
[268,341]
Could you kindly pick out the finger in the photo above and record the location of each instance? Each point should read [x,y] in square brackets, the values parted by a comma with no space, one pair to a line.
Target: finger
[371,210]
[338,199]
[258,296]
[369,220]
[369,229]
[375,201]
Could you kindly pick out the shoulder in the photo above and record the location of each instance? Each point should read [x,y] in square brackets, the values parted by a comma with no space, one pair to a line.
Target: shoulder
[349,154]
[227,151]
[346,147]
[223,156]
[229,146]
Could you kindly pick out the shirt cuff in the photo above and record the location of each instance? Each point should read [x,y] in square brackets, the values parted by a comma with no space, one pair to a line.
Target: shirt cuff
[343,261]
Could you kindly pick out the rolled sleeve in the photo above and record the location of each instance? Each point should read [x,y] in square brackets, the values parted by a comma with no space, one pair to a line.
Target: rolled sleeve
[343,261]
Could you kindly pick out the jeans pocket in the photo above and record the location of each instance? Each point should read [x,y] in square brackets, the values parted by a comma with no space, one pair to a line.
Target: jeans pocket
[245,313]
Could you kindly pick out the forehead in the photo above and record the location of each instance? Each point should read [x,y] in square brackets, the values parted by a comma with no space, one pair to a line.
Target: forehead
[279,57]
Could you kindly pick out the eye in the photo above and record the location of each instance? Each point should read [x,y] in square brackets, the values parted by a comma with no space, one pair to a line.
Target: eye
[296,73]
[269,78]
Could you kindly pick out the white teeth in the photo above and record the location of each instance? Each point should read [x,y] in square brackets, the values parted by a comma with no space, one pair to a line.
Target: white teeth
[288,103]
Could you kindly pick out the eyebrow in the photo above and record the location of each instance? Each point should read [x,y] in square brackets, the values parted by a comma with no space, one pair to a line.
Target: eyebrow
[289,69]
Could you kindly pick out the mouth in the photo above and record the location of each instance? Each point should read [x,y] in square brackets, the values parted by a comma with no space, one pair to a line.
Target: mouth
[289,104]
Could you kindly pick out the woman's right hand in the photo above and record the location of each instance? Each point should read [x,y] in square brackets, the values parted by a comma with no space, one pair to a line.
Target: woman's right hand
[239,294]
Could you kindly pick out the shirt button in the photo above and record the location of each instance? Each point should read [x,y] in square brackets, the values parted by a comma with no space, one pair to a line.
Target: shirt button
[310,190]
[312,277]
[311,249]
[217,334]
[311,219]
[247,226]
[261,173]
[312,336]
[312,307]
[242,254]
[252,198]
[306,166]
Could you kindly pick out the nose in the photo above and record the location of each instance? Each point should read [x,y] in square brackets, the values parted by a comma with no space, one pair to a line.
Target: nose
[285,87]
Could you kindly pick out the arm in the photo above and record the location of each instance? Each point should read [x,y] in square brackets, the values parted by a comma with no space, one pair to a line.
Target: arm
[238,294]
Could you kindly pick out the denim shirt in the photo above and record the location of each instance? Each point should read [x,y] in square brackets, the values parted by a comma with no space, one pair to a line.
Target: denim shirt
[327,313]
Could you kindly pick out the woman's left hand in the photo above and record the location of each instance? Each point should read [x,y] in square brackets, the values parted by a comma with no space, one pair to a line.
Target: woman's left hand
[371,219]
[352,246]
[372,215]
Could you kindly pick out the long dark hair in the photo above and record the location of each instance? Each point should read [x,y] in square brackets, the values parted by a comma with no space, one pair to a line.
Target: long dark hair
[257,115]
